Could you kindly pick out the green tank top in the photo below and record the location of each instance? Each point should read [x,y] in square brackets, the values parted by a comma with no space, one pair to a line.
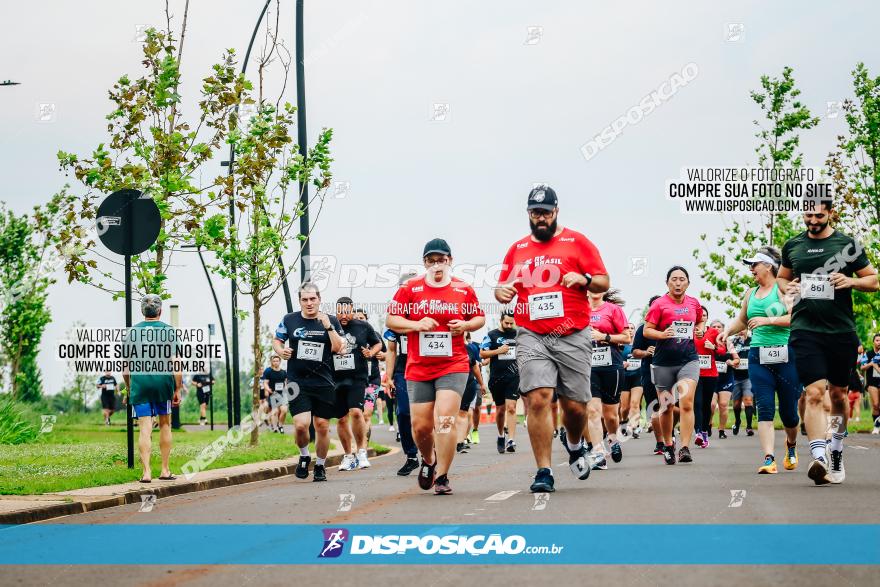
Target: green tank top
[769,307]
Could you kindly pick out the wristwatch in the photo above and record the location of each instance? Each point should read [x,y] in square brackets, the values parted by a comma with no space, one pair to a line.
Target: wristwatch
[608,338]
[329,328]
[589,279]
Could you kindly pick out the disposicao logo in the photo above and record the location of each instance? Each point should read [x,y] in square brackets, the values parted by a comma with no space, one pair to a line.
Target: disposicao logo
[334,541]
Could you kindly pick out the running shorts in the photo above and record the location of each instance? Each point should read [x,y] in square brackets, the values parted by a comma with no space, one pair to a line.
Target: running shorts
[561,363]
[422,392]
[824,356]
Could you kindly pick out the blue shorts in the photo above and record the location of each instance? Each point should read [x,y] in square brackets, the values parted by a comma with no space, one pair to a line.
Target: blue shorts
[152,409]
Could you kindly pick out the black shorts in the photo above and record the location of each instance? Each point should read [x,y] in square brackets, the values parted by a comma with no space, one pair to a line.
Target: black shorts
[606,384]
[108,399]
[470,392]
[824,356]
[504,389]
[319,402]
[350,396]
[202,396]
[631,379]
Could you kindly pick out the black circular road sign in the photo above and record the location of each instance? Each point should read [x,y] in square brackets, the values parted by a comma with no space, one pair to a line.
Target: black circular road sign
[128,222]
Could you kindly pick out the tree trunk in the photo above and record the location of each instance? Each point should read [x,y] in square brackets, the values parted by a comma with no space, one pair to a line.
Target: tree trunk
[258,364]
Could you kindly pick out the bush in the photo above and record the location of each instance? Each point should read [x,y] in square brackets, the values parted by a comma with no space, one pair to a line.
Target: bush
[16,427]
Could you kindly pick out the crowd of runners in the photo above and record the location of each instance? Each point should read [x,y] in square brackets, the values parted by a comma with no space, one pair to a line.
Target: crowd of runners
[584,373]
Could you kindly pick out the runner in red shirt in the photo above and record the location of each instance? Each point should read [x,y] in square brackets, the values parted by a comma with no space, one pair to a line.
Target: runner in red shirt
[434,312]
[709,350]
[549,272]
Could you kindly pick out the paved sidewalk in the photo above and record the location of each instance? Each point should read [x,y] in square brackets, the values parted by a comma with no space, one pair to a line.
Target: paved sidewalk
[25,509]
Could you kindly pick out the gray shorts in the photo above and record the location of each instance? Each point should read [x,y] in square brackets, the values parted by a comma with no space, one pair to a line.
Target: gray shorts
[742,389]
[666,377]
[561,363]
[423,392]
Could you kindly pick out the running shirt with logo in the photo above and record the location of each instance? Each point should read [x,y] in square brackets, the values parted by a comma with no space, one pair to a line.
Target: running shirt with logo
[770,306]
[742,346]
[608,319]
[109,383]
[400,341]
[683,316]
[811,260]
[311,362]
[275,379]
[872,377]
[711,335]
[501,366]
[433,354]
[536,269]
[350,365]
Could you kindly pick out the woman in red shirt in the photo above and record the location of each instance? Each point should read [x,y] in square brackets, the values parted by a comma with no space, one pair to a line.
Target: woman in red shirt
[708,350]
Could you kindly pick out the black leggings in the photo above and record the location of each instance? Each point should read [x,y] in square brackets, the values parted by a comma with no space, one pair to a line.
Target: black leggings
[703,403]
[389,405]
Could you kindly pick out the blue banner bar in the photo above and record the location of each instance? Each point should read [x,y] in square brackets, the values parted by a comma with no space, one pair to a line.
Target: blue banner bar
[633,544]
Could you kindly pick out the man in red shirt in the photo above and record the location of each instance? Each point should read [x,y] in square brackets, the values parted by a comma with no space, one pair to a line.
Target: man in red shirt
[434,312]
[550,272]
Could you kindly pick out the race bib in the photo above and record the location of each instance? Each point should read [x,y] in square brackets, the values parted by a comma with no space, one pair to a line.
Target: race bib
[634,364]
[601,356]
[343,362]
[722,367]
[279,386]
[309,351]
[770,355]
[743,364]
[546,305]
[401,343]
[206,389]
[683,330]
[435,344]
[816,287]
[510,355]
[705,361]
[109,386]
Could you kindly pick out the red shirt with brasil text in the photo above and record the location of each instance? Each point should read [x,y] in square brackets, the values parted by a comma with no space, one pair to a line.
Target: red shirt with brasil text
[537,268]
[416,300]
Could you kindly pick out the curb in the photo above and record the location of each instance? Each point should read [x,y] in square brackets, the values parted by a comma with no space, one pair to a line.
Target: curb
[57,510]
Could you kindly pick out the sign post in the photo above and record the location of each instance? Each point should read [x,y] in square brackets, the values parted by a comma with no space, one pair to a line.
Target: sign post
[128,224]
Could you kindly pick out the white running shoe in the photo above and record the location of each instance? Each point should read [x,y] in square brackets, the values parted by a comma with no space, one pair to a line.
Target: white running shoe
[349,463]
[391,429]
[837,473]
[818,472]
[876,430]
[362,461]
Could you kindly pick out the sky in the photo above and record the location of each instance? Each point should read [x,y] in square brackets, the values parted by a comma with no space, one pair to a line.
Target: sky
[444,116]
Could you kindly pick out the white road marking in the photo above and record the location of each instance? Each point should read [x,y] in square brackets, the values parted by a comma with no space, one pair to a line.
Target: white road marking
[502,495]
[859,447]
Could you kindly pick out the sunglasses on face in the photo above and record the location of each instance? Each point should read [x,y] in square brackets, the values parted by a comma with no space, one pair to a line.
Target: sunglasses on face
[536,214]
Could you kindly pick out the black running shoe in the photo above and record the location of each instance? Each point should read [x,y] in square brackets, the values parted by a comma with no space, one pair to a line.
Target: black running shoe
[658,449]
[441,486]
[511,446]
[460,448]
[543,482]
[302,468]
[426,475]
[408,467]
[578,461]
[735,429]
[319,474]
[722,434]
[684,455]
[669,455]
[616,452]
[500,445]
[750,432]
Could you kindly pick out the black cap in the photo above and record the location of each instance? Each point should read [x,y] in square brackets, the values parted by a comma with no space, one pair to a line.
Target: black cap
[437,245]
[542,197]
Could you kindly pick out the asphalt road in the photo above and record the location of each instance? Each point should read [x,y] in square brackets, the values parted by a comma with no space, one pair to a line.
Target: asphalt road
[493,489]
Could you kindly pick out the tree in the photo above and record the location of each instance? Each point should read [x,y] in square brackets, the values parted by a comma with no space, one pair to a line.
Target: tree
[27,264]
[262,185]
[854,170]
[153,148]
[778,143]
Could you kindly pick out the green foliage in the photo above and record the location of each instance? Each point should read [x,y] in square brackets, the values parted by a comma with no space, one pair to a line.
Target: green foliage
[15,426]
[153,148]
